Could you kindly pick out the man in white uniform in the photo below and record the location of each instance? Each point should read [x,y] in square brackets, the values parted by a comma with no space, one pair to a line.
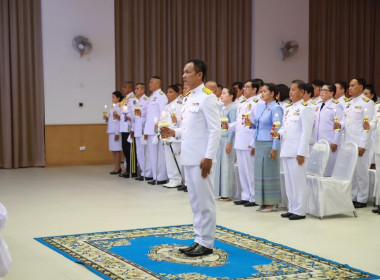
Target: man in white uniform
[295,136]
[340,95]
[200,135]
[173,112]
[325,112]
[156,105]
[317,85]
[238,88]
[137,132]
[243,138]
[357,108]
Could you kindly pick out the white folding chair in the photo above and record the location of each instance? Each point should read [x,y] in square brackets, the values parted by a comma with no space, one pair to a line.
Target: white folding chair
[332,195]
[319,156]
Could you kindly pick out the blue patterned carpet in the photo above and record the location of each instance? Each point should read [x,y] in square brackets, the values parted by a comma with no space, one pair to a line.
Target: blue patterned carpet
[152,253]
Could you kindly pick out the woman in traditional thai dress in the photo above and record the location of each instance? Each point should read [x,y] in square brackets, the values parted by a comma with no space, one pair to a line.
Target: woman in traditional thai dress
[224,169]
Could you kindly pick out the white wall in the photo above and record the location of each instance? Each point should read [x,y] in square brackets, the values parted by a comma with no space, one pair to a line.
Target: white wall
[69,78]
[275,21]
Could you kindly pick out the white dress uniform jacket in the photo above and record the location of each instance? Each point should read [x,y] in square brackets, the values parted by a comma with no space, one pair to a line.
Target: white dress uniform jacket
[113,128]
[375,127]
[125,126]
[324,128]
[295,135]
[353,116]
[200,133]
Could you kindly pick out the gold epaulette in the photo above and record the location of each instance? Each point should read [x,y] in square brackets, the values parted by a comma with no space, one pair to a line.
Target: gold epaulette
[207,90]
[289,105]
[145,98]
[187,93]
[288,101]
[179,102]
[377,102]
[347,99]
[335,101]
[314,103]
[366,99]
[304,103]
[243,99]
[161,92]
[255,100]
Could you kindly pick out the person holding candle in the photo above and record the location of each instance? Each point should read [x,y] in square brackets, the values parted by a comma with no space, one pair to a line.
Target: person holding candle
[243,139]
[225,158]
[137,132]
[358,110]
[173,146]
[295,136]
[327,112]
[113,131]
[267,120]
[129,149]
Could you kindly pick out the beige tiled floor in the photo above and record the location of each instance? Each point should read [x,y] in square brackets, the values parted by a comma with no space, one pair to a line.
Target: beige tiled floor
[68,200]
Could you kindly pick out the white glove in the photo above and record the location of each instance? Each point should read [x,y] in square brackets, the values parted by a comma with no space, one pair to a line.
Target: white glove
[129,140]
[143,141]
[155,140]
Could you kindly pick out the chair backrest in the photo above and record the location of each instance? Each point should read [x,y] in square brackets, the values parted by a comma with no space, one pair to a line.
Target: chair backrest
[319,156]
[345,162]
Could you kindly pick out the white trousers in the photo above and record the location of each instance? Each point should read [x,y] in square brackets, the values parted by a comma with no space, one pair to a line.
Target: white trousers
[360,179]
[157,159]
[377,180]
[145,166]
[246,174]
[202,203]
[295,185]
[171,167]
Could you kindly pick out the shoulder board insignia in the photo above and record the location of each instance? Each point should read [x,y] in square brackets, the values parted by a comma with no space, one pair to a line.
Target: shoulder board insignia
[348,99]
[132,95]
[207,90]
[289,105]
[366,99]
[187,93]
[304,103]
[162,93]
[255,100]
[179,102]
[335,101]
[122,102]
[243,101]
[314,103]
[145,98]
[377,102]
[288,101]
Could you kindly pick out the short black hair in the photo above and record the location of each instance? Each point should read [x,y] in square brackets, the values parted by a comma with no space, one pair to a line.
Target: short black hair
[331,87]
[283,91]
[219,86]
[318,83]
[231,92]
[343,85]
[174,87]
[199,66]
[372,90]
[142,84]
[254,84]
[238,84]
[259,81]
[156,77]
[361,81]
[300,84]
[309,89]
[272,87]
[118,95]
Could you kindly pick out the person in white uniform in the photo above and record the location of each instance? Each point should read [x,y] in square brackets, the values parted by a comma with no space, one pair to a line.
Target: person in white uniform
[156,105]
[358,109]
[137,132]
[295,136]
[325,112]
[173,112]
[243,137]
[200,135]
[238,88]
[114,139]
[317,85]
[340,95]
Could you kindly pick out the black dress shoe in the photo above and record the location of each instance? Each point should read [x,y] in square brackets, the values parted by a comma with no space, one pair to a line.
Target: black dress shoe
[199,251]
[185,189]
[296,217]
[181,188]
[162,182]
[376,211]
[360,205]
[153,182]
[140,178]
[250,204]
[187,249]
[241,202]
[124,175]
[148,178]
[116,172]
[286,215]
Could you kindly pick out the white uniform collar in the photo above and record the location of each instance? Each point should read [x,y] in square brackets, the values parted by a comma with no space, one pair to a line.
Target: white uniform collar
[156,91]
[142,96]
[193,91]
[357,98]
[129,94]
[298,102]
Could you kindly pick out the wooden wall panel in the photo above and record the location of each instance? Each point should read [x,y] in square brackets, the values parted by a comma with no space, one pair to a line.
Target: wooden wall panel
[62,144]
